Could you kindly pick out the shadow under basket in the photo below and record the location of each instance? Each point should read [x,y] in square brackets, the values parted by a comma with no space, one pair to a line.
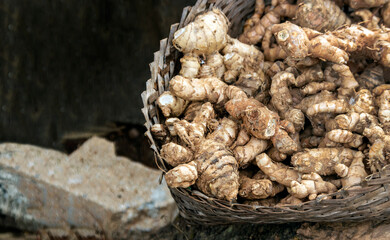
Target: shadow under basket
[369,202]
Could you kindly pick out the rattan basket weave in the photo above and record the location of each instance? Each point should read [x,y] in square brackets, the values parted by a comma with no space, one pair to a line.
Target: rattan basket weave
[369,202]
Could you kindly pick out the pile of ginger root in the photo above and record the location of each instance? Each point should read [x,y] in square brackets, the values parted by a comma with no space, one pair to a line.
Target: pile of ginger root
[292,110]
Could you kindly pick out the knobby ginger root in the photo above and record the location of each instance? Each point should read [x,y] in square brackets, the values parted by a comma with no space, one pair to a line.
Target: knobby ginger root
[256,33]
[242,138]
[214,66]
[335,106]
[356,174]
[170,105]
[310,186]
[210,89]
[315,87]
[245,154]
[225,133]
[316,14]
[320,15]
[175,154]
[371,77]
[289,200]
[357,4]
[193,133]
[322,160]
[184,175]
[345,136]
[308,75]
[217,170]
[277,171]
[189,65]
[370,21]
[258,188]
[214,171]
[386,14]
[333,46]
[205,35]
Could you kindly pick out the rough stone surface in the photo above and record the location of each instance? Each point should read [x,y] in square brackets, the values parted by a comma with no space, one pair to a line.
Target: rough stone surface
[91,188]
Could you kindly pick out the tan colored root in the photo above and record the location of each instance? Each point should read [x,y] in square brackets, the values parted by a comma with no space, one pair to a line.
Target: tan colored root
[357,4]
[335,106]
[175,154]
[212,25]
[193,133]
[275,155]
[356,174]
[386,14]
[289,200]
[192,110]
[215,62]
[183,175]
[242,139]
[281,97]
[370,21]
[322,160]
[254,34]
[363,102]
[234,63]
[277,171]
[217,170]
[255,18]
[170,105]
[247,153]
[308,75]
[251,82]
[258,120]
[310,142]
[320,15]
[283,142]
[371,77]
[159,131]
[315,87]
[226,132]
[296,117]
[309,101]
[271,53]
[258,188]
[311,186]
[287,33]
[347,79]
[344,136]
[210,89]
[189,65]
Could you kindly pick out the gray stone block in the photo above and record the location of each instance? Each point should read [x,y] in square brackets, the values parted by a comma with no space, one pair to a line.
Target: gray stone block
[91,188]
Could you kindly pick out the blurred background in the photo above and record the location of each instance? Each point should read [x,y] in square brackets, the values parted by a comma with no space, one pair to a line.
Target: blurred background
[72,65]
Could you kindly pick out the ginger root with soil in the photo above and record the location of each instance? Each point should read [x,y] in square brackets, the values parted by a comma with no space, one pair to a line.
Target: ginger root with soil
[312,123]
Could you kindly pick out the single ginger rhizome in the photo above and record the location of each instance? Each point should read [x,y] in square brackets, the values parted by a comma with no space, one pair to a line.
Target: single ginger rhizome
[294,109]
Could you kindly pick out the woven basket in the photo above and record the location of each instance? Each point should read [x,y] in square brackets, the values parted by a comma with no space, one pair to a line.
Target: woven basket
[369,202]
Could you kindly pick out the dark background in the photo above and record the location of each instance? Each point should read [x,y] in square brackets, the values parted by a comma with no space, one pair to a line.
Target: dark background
[72,64]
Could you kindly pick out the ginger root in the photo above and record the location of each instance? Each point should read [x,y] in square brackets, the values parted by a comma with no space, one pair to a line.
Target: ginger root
[323,160]
[311,186]
[277,171]
[258,188]
[356,174]
[189,65]
[170,105]
[205,35]
[248,152]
